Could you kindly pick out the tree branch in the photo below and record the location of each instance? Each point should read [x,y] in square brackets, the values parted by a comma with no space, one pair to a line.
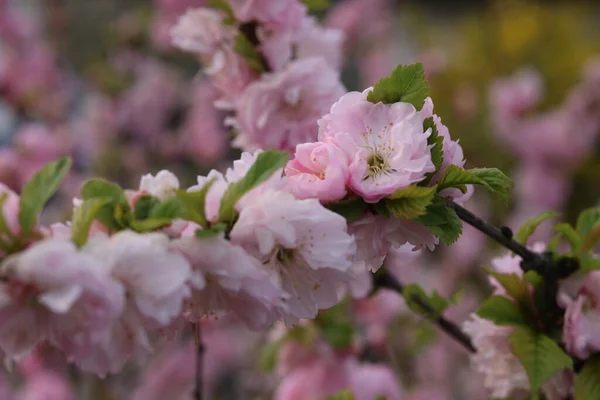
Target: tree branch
[198,392]
[383,279]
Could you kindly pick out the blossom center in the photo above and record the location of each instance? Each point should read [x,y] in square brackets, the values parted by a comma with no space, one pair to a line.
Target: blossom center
[378,165]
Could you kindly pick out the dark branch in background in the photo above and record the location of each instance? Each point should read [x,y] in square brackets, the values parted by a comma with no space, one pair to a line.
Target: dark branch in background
[384,280]
[198,392]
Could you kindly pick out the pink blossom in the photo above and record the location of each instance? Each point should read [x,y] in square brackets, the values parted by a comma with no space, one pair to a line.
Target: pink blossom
[274,14]
[202,31]
[316,381]
[46,386]
[318,170]
[386,144]
[214,195]
[304,245]
[232,80]
[375,313]
[515,95]
[56,292]
[226,279]
[369,381]
[162,186]
[281,110]
[10,211]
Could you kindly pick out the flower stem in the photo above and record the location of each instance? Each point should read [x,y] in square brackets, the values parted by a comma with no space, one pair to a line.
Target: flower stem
[198,393]
[383,279]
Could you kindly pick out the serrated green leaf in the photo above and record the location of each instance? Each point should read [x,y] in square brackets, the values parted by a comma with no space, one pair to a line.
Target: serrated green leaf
[427,305]
[541,356]
[492,179]
[410,202]
[316,5]
[212,231]
[246,49]
[351,209]
[149,224]
[565,230]
[83,217]
[38,191]
[587,219]
[437,149]
[587,381]
[529,227]
[501,311]
[406,84]
[195,202]
[144,205]
[266,164]
[442,221]
[100,188]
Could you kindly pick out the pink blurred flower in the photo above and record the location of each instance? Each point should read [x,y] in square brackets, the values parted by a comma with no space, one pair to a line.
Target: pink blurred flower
[281,110]
[46,386]
[386,144]
[304,245]
[10,211]
[318,170]
[282,14]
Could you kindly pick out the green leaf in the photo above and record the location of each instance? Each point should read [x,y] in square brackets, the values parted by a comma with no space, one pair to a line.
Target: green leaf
[539,354]
[195,203]
[83,217]
[533,278]
[587,382]
[429,306]
[266,164]
[587,219]
[316,5]
[515,287]
[501,311]
[223,6]
[406,84]
[149,224]
[528,228]
[351,209]
[144,205]
[244,47]
[343,395]
[338,333]
[437,149]
[591,239]
[565,230]
[268,355]
[588,263]
[492,179]
[170,208]
[38,191]
[213,231]
[442,221]
[110,214]
[410,202]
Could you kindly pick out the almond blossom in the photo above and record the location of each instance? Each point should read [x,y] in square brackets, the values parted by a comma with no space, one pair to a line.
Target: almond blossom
[161,186]
[305,246]
[385,144]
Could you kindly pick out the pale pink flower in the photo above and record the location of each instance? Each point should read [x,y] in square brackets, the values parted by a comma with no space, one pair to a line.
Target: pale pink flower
[46,386]
[281,110]
[226,279]
[386,144]
[10,210]
[316,381]
[232,80]
[502,371]
[202,31]
[162,186]
[215,193]
[56,292]
[369,381]
[315,40]
[318,170]
[515,95]
[282,14]
[304,245]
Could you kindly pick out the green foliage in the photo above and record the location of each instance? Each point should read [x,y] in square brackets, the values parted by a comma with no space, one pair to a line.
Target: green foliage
[528,228]
[83,217]
[351,209]
[316,5]
[586,221]
[587,382]
[541,356]
[111,213]
[223,6]
[492,179]
[501,311]
[211,231]
[336,327]
[195,203]
[427,305]
[406,84]
[144,205]
[442,221]
[565,230]
[266,164]
[246,49]
[515,287]
[437,149]
[268,355]
[410,202]
[343,395]
[38,191]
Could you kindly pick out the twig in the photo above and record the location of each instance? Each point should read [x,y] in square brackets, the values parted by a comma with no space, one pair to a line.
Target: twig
[384,280]
[198,393]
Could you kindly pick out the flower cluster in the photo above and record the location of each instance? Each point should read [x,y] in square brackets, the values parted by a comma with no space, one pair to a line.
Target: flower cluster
[275,67]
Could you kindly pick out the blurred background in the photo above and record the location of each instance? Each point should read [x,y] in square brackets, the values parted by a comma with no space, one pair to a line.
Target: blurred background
[518,82]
